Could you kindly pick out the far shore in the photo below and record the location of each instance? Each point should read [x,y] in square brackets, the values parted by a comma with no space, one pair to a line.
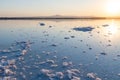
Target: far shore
[37,18]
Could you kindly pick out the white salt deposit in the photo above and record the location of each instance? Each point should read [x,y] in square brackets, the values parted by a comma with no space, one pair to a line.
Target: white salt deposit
[50,61]
[24,52]
[54,65]
[118,74]
[75,78]
[98,78]
[60,75]
[11,62]
[65,57]
[65,64]
[9,72]
[91,75]
[45,71]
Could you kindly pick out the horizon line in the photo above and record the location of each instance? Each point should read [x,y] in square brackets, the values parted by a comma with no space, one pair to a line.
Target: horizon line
[56,17]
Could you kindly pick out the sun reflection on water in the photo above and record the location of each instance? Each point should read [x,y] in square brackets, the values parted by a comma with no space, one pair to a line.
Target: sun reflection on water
[112,28]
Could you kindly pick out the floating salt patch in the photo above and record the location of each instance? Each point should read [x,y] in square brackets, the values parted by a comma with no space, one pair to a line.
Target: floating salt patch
[69,74]
[119,74]
[75,78]
[54,45]
[42,24]
[38,56]
[118,55]
[7,78]
[55,56]
[91,75]
[65,64]
[66,38]
[50,61]
[109,40]
[4,57]
[105,25]
[65,57]
[70,63]
[84,51]
[6,51]
[3,61]
[45,71]
[54,65]
[42,62]
[109,45]
[8,72]
[96,57]
[83,29]
[103,53]
[14,66]
[24,52]
[98,78]
[30,73]
[72,36]
[80,64]
[23,69]
[24,77]
[75,70]
[51,75]
[48,73]
[43,51]
[60,75]
[11,62]
[48,53]
[90,48]
[72,72]
[21,58]
[50,26]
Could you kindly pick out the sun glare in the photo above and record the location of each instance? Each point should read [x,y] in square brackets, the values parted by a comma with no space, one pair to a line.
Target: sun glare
[113,7]
[112,28]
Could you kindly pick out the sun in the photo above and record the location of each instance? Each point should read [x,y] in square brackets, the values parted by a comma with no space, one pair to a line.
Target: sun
[113,7]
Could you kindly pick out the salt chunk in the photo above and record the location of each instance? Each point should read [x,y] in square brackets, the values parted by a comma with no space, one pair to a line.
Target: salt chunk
[91,75]
[24,52]
[50,61]
[65,64]
[60,75]
[98,78]
[75,78]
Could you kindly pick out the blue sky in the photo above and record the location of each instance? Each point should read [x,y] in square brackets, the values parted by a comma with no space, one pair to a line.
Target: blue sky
[53,7]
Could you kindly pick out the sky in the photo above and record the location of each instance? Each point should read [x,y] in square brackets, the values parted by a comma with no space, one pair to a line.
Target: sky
[13,8]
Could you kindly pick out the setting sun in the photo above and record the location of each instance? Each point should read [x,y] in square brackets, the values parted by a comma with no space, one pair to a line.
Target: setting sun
[113,7]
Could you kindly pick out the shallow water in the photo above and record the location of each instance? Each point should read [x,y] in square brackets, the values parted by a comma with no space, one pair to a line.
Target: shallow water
[91,51]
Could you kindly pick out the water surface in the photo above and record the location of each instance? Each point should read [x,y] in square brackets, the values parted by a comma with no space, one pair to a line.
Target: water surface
[91,46]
